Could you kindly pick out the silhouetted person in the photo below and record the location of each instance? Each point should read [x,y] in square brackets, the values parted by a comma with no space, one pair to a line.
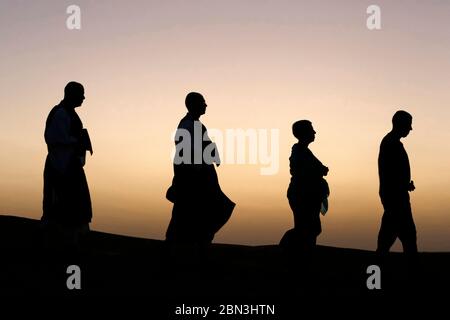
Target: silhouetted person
[307,190]
[200,207]
[395,185]
[67,209]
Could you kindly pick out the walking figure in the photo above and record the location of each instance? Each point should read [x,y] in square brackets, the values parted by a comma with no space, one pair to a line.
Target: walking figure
[200,207]
[395,184]
[307,190]
[67,209]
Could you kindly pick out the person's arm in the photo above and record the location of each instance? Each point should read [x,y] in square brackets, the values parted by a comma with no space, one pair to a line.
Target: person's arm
[317,168]
[210,147]
[62,146]
[58,132]
[186,148]
[305,166]
[390,168]
[86,141]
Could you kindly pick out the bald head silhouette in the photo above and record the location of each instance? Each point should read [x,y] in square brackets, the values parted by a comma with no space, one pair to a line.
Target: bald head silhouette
[402,123]
[304,131]
[195,103]
[74,94]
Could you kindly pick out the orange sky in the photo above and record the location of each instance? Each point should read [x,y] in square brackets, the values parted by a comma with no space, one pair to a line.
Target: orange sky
[260,65]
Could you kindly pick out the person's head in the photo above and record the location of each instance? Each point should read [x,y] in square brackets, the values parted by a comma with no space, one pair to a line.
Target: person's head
[195,103]
[74,93]
[304,131]
[402,123]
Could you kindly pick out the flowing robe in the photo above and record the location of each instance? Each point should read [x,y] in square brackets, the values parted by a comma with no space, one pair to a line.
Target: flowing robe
[200,207]
[66,198]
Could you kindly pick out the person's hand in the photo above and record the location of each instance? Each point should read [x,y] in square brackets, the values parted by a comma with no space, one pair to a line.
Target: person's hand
[86,141]
[411,186]
[83,161]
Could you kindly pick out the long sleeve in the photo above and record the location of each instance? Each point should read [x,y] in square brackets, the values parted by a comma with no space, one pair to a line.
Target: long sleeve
[61,145]
[304,165]
[306,172]
[57,132]
[393,167]
[193,145]
[194,175]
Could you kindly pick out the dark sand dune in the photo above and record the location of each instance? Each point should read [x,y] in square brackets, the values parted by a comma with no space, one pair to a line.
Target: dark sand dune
[119,265]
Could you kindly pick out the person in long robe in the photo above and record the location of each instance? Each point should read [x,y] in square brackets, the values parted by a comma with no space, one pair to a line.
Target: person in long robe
[67,209]
[200,207]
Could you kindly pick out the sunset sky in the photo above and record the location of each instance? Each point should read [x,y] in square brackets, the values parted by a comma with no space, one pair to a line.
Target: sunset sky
[260,65]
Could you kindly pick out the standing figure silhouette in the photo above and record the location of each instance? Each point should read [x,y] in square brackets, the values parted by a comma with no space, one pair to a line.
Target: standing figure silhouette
[395,184]
[307,189]
[67,209]
[200,207]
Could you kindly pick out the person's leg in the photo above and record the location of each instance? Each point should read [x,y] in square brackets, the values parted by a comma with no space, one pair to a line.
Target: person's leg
[293,203]
[387,234]
[410,261]
[295,239]
[407,230]
[83,238]
[174,230]
[170,232]
[307,223]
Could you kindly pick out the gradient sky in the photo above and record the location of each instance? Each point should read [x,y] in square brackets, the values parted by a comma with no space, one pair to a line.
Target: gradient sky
[259,64]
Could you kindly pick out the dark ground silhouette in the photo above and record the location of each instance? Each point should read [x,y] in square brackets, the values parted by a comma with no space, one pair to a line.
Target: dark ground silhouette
[125,266]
